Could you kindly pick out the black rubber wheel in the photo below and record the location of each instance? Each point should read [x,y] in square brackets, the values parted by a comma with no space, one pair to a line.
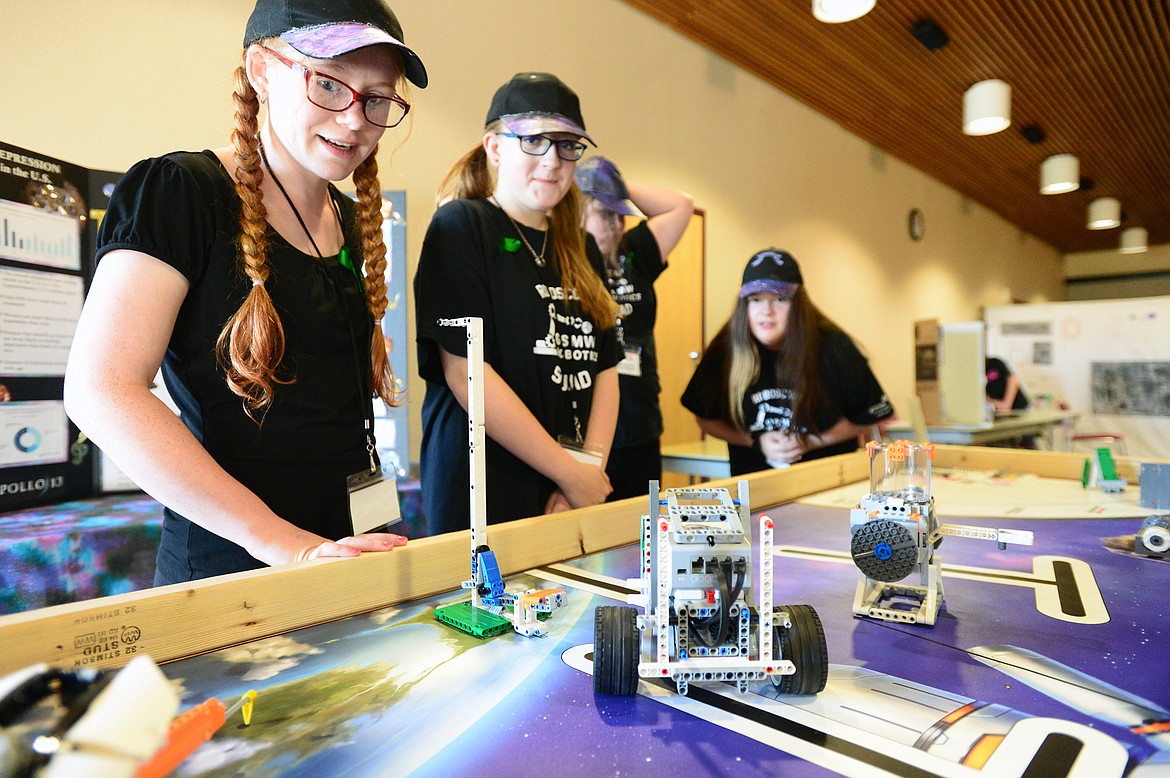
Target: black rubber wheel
[803,644]
[616,650]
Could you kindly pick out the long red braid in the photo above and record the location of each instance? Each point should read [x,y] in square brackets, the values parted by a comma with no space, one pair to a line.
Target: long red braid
[251,346]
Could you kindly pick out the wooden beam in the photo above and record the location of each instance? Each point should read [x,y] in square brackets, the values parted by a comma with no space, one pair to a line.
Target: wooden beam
[173,622]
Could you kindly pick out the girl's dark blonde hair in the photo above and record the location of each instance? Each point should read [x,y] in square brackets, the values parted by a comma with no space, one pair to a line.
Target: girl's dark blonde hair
[797,366]
[471,178]
[251,346]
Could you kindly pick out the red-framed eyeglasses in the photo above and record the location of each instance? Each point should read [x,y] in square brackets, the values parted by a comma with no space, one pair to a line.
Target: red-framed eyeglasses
[333,94]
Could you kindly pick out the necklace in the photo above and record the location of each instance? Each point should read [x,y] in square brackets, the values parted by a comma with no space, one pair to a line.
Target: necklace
[538,258]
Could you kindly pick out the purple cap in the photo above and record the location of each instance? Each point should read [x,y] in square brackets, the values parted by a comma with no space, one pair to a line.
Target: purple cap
[771,271]
[600,179]
[324,30]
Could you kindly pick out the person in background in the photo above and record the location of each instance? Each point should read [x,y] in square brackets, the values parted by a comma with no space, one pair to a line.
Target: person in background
[634,259]
[1003,388]
[507,247]
[780,382]
[259,289]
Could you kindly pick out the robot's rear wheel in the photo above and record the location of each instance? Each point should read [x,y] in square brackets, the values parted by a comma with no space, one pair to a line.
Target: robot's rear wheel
[804,645]
[616,650]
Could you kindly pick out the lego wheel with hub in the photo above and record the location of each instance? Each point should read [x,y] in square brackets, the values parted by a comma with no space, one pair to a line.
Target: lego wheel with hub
[804,645]
[616,650]
[884,550]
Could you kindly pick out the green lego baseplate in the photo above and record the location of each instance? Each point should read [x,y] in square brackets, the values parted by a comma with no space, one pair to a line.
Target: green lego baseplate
[465,617]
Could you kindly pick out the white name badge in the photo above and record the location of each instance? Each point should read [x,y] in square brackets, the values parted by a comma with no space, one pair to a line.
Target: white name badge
[631,363]
[373,500]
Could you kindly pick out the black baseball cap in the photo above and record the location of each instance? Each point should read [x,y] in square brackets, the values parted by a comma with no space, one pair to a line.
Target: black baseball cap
[324,29]
[536,103]
[771,271]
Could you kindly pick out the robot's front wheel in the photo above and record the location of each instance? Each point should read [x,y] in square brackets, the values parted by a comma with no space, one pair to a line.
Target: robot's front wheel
[803,644]
[616,650]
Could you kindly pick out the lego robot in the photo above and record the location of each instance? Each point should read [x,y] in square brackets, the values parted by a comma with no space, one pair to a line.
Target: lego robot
[1101,471]
[895,533]
[701,621]
[1153,540]
[492,610]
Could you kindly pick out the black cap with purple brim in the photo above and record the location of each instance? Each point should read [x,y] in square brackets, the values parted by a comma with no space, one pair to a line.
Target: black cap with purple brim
[535,104]
[324,29]
[771,271]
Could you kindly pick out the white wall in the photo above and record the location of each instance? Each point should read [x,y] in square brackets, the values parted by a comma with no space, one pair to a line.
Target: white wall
[125,79]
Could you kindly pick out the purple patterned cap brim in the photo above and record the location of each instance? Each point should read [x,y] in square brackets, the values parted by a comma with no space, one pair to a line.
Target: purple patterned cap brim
[541,123]
[617,205]
[782,289]
[332,40]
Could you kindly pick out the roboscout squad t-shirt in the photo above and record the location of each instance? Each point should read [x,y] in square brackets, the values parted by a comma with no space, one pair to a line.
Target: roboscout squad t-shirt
[640,262]
[535,336]
[849,387]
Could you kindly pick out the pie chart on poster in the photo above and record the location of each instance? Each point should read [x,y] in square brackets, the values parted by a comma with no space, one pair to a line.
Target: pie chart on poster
[27,439]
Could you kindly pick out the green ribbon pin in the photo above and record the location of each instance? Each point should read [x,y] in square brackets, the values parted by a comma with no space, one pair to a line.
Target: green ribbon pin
[510,245]
[346,261]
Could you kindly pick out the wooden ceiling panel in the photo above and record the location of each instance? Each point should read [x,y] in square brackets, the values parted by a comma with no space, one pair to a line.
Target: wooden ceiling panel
[1093,74]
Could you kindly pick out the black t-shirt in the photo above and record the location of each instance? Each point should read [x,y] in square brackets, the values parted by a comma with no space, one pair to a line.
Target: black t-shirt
[849,389]
[997,375]
[540,344]
[182,209]
[632,287]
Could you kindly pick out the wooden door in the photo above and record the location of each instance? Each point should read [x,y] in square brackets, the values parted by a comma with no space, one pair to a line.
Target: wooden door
[679,334]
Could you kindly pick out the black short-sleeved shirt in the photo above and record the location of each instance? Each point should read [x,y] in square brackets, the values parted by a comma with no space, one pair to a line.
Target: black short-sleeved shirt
[632,287]
[182,209]
[997,375]
[850,391]
[543,346]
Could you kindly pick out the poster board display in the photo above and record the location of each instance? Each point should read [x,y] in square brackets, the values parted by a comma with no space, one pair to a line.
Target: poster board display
[392,424]
[1107,360]
[46,251]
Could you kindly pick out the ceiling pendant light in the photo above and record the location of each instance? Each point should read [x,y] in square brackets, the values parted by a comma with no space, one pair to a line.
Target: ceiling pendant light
[1134,240]
[987,107]
[1060,173]
[834,11]
[1104,213]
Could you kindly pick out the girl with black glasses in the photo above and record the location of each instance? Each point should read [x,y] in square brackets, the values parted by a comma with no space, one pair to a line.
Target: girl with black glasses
[509,248]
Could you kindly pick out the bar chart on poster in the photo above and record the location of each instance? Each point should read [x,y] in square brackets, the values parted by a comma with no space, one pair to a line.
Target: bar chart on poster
[39,237]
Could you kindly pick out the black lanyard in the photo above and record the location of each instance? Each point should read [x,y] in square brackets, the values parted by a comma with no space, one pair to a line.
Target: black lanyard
[365,391]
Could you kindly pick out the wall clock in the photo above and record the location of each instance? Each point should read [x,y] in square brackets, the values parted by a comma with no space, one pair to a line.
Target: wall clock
[916,224]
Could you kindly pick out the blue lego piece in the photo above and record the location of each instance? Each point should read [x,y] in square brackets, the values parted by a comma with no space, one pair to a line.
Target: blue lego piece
[492,583]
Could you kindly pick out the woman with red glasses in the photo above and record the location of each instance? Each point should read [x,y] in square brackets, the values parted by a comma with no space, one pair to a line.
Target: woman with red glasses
[509,248]
[259,289]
